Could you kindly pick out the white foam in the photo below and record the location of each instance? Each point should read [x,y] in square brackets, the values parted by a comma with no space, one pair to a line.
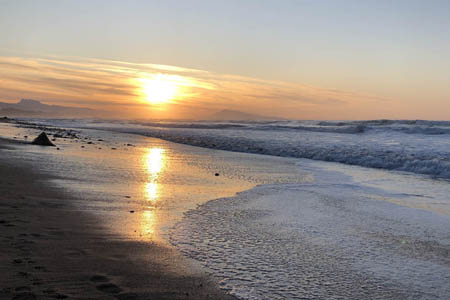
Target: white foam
[334,238]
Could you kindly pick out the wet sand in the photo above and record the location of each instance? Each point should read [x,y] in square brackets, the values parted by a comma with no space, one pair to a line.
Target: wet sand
[50,250]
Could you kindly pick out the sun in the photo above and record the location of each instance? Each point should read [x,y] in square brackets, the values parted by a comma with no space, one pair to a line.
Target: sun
[159,89]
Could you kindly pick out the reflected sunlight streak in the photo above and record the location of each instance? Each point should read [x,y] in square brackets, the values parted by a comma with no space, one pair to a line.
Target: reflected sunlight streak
[152,191]
[149,221]
[154,164]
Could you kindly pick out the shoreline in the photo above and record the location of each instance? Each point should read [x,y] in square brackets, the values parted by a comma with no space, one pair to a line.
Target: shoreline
[332,238]
[51,250]
[129,190]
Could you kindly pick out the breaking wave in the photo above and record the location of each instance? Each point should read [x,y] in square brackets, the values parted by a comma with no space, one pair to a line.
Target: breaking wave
[404,145]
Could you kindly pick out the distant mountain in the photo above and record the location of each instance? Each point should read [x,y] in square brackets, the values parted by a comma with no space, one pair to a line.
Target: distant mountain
[34,108]
[234,115]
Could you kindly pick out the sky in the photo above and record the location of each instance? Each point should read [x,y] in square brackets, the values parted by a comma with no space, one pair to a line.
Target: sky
[293,59]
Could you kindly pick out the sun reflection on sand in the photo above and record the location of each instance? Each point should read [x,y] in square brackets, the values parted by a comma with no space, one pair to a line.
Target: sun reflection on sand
[151,190]
[154,163]
[149,222]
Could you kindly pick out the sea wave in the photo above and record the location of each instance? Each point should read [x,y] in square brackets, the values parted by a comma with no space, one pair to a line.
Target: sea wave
[421,162]
[347,127]
[405,126]
[413,146]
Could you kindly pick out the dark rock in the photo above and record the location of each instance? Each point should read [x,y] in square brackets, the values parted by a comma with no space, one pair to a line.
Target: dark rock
[217,174]
[42,140]
[131,211]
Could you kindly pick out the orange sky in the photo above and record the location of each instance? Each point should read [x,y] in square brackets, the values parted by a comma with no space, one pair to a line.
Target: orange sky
[302,59]
[123,90]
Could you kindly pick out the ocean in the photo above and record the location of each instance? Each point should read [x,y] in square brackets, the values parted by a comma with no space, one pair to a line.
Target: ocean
[403,145]
[323,210]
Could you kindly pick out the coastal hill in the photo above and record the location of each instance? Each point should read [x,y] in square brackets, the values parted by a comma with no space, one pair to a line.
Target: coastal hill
[34,108]
[234,115]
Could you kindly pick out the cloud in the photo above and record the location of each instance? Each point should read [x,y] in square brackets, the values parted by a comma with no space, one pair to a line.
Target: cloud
[115,86]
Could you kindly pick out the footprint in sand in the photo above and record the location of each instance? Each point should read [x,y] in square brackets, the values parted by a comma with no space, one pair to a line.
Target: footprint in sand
[58,233]
[109,288]
[26,241]
[129,296]
[22,289]
[73,253]
[106,287]
[24,296]
[40,268]
[6,223]
[23,274]
[53,294]
[29,260]
[36,282]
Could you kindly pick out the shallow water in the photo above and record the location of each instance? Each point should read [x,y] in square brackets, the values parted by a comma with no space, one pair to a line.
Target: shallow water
[340,236]
[141,186]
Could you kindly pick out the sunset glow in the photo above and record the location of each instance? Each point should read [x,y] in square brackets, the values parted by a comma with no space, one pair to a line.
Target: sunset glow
[159,89]
[195,67]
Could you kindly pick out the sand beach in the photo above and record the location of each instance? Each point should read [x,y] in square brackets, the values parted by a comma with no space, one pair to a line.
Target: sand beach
[87,219]
[51,250]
